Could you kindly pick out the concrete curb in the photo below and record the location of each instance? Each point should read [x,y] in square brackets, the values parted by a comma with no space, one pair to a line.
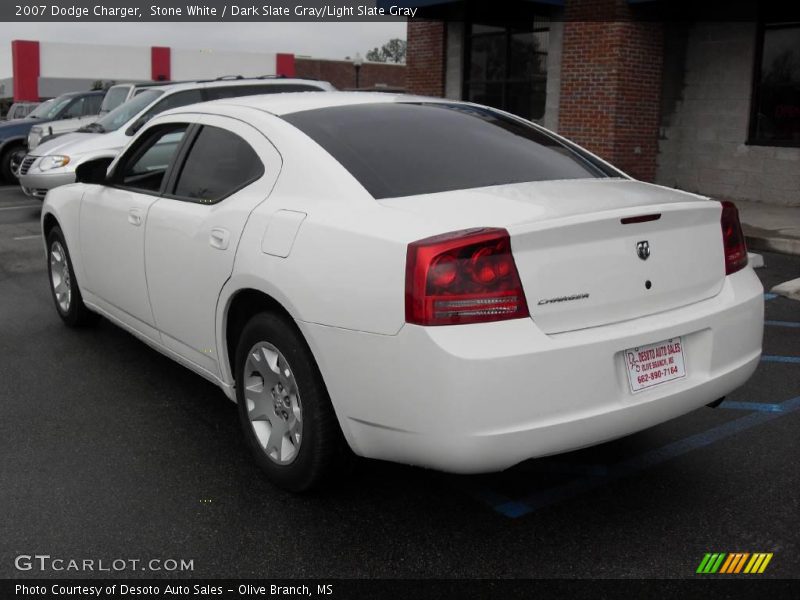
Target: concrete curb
[773,244]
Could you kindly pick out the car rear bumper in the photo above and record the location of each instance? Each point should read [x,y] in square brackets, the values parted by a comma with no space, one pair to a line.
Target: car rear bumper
[479,398]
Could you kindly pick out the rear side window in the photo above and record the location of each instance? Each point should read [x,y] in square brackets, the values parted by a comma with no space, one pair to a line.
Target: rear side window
[219,163]
[405,149]
[174,101]
[237,91]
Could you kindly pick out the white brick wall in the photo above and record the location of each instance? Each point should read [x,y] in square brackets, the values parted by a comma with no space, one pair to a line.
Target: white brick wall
[703,148]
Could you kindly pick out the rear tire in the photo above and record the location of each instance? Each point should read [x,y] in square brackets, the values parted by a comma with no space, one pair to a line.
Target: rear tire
[63,285]
[284,408]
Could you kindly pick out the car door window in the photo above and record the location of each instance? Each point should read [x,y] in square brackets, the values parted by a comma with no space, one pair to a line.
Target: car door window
[218,164]
[91,105]
[75,109]
[144,169]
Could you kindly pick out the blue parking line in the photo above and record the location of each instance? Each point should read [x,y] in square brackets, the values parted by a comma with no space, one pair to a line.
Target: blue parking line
[517,508]
[780,359]
[793,324]
[769,296]
[762,406]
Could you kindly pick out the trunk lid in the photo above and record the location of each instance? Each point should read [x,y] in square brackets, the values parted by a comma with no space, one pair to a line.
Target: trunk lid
[579,264]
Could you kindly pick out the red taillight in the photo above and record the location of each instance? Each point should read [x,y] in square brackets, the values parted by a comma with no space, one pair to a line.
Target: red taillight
[463,277]
[732,239]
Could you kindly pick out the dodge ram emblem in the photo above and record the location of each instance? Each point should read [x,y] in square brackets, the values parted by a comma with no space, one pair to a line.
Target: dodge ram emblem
[643,249]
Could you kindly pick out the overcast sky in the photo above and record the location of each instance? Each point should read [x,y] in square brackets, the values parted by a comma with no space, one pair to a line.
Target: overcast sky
[320,40]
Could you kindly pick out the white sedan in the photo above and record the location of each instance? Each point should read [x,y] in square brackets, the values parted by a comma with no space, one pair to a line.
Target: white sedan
[410,279]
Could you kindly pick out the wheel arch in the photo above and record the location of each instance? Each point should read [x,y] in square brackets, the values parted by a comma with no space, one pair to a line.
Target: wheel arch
[11,142]
[49,221]
[235,308]
[240,307]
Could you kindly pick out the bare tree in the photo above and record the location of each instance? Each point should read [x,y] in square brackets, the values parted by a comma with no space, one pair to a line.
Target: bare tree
[392,51]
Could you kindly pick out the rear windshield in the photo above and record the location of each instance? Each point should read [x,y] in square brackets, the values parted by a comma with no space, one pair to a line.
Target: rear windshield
[405,149]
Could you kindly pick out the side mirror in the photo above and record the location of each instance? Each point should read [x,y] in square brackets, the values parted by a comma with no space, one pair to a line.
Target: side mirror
[93,171]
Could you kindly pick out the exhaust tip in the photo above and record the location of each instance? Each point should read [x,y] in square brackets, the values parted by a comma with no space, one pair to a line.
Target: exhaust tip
[716,403]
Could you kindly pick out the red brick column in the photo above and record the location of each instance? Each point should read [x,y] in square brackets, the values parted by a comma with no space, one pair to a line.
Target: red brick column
[25,69]
[611,84]
[426,58]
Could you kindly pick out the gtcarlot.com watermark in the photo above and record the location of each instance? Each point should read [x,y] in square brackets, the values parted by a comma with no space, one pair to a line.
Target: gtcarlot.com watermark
[44,563]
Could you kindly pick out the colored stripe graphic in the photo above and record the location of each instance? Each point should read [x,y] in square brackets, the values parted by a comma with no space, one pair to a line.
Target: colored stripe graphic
[711,562]
[740,564]
[732,563]
[758,563]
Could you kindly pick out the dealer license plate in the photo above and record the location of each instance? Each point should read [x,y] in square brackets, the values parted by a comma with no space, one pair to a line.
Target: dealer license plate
[655,364]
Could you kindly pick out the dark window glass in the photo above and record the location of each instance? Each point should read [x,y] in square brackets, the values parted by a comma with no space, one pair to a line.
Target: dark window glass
[488,58]
[147,164]
[404,149]
[174,101]
[75,109]
[219,163]
[236,91]
[776,106]
[92,105]
[507,66]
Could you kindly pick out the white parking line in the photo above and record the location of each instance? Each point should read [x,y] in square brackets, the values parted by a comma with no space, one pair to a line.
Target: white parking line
[28,237]
[18,207]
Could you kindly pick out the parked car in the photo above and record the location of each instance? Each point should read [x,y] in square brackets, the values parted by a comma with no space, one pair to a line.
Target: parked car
[419,280]
[53,163]
[20,110]
[83,112]
[120,93]
[14,134]
[115,96]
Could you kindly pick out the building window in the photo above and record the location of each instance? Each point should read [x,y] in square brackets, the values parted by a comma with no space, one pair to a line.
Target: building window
[506,66]
[775,118]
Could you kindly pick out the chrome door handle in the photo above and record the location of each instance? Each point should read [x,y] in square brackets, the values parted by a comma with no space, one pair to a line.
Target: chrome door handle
[135,217]
[219,238]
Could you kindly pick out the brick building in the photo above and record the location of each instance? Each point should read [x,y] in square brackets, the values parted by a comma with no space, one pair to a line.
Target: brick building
[661,88]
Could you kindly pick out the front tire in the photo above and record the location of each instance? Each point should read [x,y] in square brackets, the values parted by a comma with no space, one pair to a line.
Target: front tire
[9,163]
[63,285]
[284,408]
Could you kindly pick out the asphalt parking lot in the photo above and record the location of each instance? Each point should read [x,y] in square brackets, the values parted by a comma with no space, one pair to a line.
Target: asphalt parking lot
[110,450]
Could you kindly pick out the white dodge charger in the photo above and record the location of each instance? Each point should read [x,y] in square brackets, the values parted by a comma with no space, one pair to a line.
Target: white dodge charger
[413,279]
